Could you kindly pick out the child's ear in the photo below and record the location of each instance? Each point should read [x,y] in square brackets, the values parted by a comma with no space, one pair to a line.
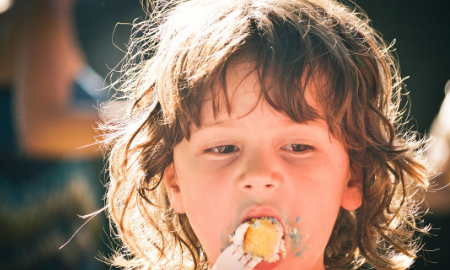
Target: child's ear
[353,193]
[173,190]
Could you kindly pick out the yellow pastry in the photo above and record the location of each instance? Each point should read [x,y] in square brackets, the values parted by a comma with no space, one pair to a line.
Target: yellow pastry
[261,238]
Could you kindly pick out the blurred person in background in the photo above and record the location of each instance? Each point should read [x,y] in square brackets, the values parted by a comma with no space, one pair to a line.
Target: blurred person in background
[438,199]
[47,116]
[439,154]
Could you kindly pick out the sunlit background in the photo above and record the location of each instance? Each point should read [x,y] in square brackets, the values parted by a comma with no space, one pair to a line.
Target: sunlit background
[5,5]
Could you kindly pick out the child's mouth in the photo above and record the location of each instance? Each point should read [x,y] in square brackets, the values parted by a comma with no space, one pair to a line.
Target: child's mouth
[263,239]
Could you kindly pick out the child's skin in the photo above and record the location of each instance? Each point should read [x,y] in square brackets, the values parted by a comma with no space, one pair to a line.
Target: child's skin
[258,162]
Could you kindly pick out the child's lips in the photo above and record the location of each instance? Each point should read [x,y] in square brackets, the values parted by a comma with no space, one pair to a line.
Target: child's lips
[262,211]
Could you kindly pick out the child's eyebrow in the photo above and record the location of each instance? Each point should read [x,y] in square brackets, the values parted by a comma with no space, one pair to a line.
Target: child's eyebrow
[220,123]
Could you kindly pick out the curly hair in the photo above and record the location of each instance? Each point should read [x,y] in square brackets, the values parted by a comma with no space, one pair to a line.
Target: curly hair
[185,47]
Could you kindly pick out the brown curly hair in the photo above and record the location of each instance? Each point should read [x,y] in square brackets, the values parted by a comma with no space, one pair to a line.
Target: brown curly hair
[185,47]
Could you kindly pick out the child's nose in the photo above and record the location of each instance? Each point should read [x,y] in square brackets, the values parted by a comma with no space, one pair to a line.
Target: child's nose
[261,174]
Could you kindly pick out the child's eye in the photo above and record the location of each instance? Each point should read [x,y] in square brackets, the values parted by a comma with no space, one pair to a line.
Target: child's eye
[297,147]
[223,149]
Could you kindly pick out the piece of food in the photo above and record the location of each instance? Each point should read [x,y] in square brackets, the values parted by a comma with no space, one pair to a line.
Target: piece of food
[261,238]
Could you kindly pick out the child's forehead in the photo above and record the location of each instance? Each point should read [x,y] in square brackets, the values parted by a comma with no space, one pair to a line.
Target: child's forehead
[243,90]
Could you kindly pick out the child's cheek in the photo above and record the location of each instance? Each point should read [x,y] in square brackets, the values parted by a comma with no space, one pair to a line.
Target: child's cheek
[295,239]
[234,222]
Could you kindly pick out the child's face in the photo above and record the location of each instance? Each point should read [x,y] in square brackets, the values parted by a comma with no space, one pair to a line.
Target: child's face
[258,162]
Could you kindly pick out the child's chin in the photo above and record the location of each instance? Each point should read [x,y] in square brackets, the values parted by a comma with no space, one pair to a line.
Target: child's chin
[266,266]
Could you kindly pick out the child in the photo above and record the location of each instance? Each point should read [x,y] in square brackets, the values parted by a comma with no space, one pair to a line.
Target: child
[264,108]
